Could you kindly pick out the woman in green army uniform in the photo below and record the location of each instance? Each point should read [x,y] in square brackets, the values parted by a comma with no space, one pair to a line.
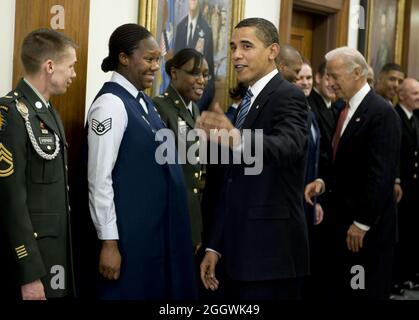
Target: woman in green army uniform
[188,72]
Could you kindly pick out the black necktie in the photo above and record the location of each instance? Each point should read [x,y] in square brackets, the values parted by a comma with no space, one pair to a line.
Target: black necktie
[152,116]
[190,34]
[412,123]
[190,112]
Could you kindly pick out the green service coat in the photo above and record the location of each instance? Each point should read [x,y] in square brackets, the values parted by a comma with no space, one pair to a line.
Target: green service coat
[34,217]
[174,113]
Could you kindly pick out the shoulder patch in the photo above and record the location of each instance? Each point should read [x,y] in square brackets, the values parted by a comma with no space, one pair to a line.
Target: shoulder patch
[6,162]
[100,128]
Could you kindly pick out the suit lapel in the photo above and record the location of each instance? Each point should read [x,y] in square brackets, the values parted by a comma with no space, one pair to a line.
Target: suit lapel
[415,118]
[357,119]
[325,114]
[42,113]
[261,100]
[406,126]
[180,106]
[58,122]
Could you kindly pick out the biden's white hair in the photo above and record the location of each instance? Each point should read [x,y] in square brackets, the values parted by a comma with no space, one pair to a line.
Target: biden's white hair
[352,58]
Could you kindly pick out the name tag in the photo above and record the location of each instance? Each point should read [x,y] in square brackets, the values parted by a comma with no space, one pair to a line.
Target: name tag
[46,140]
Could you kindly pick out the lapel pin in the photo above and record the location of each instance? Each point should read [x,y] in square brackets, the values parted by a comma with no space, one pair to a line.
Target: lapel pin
[357,119]
[257,107]
[38,105]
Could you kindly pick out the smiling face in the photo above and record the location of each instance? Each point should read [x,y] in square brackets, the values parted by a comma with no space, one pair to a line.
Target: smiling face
[344,83]
[324,87]
[63,71]
[388,83]
[188,82]
[141,65]
[251,58]
[305,79]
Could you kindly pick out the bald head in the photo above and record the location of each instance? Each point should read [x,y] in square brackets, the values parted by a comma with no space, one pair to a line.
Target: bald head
[409,94]
[289,62]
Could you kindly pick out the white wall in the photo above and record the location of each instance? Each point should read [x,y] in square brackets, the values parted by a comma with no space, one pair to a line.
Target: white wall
[103,21]
[268,9]
[354,23]
[7,31]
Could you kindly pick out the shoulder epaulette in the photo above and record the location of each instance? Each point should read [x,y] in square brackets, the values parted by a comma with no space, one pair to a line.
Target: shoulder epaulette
[10,97]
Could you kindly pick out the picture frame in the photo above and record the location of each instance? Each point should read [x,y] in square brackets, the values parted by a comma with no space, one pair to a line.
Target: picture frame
[162,18]
[384,34]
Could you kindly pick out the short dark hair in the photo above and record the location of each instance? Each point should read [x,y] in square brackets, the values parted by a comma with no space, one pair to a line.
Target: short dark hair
[42,44]
[289,54]
[265,30]
[182,57]
[124,39]
[391,66]
[322,68]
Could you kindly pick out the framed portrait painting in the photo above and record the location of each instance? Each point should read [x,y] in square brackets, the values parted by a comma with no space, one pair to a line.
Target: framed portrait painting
[384,32]
[169,22]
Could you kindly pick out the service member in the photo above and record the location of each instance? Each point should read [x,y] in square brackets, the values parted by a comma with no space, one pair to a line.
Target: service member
[33,179]
[188,72]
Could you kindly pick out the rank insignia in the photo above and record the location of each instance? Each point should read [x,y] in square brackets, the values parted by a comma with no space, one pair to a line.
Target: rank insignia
[100,128]
[3,119]
[42,126]
[21,252]
[6,162]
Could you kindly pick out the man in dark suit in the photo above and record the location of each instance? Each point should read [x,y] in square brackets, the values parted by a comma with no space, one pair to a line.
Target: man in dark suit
[321,102]
[34,220]
[407,260]
[193,31]
[365,153]
[259,228]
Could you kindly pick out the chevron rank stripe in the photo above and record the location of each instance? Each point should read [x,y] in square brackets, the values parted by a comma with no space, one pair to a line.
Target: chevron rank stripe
[100,128]
[6,162]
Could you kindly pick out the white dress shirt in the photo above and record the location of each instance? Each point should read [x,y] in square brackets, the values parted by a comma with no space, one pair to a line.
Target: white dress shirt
[354,103]
[103,152]
[409,114]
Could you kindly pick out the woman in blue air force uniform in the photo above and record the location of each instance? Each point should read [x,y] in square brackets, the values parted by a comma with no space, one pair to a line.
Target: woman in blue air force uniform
[138,207]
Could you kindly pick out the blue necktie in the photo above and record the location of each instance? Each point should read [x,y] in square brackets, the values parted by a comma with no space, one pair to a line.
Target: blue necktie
[244,109]
[153,117]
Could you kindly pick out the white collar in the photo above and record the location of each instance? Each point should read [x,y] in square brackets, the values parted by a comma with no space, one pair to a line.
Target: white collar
[409,114]
[261,83]
[194,20]
[328,103]
[121,80]
[356,100]
[40,96]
